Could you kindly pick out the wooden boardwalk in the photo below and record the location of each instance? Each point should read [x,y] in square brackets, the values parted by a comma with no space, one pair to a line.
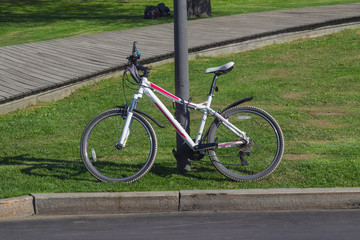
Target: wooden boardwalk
[32,68]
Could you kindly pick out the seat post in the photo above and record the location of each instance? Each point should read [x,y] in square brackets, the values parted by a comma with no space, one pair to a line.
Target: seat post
[213,85]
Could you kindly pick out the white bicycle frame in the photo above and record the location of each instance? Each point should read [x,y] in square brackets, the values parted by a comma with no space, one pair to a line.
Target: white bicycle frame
[148,88]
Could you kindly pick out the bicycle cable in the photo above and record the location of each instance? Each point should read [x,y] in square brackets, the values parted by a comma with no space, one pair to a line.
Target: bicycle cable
[125,82]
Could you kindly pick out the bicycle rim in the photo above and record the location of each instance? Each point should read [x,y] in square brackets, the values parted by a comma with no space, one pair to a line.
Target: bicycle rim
[255,160]
[107,163]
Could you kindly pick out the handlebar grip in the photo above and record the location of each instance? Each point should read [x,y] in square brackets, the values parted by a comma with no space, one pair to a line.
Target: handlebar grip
[142,68]
[134,50]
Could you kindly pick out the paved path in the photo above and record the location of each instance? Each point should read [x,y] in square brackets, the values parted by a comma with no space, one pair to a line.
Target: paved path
[29,69]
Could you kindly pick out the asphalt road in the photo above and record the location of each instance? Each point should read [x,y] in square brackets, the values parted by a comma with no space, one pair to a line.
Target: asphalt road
[209,225]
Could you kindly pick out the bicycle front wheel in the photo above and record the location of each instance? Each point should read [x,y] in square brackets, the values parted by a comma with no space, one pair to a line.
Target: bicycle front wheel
[252,161]
[104,161]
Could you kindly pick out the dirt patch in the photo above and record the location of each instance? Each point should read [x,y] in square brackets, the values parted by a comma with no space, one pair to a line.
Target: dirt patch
[299,156]
[292,95]
[289,56]
[323,123]
[330,113]
[278,73]
[327,111]
[320,141]
[94,87]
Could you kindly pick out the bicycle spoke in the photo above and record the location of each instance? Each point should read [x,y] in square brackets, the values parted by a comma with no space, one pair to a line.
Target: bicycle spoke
[253,160]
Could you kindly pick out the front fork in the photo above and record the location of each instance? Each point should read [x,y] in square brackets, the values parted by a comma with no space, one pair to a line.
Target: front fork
[128,120]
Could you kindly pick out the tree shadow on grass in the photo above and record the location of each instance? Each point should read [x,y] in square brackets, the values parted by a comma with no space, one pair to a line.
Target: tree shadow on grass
[43,167]
[50,11]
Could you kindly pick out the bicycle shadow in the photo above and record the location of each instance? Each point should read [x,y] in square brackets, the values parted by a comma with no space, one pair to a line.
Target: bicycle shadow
[44,167]
[75,169]
[200,170]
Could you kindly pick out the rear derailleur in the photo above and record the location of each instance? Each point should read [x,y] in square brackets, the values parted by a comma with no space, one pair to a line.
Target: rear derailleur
[245,150]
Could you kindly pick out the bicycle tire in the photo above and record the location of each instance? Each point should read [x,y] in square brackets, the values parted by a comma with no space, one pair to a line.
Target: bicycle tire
[259,158]
[104,161]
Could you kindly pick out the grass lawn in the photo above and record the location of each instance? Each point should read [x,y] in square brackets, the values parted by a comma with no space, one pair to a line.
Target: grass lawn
[25,21]
[311,87]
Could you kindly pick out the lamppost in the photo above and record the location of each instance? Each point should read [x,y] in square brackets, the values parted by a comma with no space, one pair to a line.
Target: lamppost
[182,153]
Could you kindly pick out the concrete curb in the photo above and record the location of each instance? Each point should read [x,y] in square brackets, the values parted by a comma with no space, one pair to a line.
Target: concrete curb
[17,207]
[105,203]
[56,204]
[270,199]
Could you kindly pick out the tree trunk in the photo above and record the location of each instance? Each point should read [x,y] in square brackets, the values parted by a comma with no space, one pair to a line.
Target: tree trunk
[198,8]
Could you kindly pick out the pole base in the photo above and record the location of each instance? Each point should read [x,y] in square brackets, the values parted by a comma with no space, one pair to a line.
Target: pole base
[183,162]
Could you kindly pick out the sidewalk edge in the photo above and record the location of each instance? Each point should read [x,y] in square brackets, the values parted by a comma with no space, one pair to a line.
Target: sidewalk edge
[56,204]
[22,206]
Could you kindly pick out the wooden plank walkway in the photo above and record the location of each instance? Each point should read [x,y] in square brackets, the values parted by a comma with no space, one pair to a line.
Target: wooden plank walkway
[31,68]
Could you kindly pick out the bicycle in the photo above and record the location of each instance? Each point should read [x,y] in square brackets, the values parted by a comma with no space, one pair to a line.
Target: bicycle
[120,144]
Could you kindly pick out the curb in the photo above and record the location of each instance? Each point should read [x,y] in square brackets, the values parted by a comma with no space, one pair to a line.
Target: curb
[17,207]
[56,204]
[105,203]
[270,199]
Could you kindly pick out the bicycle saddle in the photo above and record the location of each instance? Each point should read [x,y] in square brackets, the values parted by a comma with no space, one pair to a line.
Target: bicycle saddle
[222,69]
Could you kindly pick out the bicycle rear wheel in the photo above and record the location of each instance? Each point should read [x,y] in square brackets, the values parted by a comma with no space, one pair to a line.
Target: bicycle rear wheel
[259,157]
[104,161]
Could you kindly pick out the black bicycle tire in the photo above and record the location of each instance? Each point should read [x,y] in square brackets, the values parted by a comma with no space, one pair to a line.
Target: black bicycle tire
[106,114]
[274,163]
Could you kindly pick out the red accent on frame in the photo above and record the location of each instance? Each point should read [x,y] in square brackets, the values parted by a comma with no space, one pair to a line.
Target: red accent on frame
[178,130]
[164,91]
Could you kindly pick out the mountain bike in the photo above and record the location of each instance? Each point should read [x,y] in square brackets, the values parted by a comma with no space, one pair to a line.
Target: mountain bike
[120,144]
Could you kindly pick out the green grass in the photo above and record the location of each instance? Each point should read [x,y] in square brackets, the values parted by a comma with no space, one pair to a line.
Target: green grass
[311,87]
[25,21]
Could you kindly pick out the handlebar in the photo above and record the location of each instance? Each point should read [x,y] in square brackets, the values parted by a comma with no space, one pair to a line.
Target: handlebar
[133,60]
[134,47]
[135,52]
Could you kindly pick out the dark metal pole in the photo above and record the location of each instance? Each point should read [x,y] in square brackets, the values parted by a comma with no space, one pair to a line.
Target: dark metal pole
[182,153]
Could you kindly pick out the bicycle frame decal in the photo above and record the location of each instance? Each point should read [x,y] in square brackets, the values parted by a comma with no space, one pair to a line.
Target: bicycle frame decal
[171,96]
[164,92]
[169,116]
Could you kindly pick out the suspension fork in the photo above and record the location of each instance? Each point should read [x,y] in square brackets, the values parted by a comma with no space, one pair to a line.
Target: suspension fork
[129,119]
